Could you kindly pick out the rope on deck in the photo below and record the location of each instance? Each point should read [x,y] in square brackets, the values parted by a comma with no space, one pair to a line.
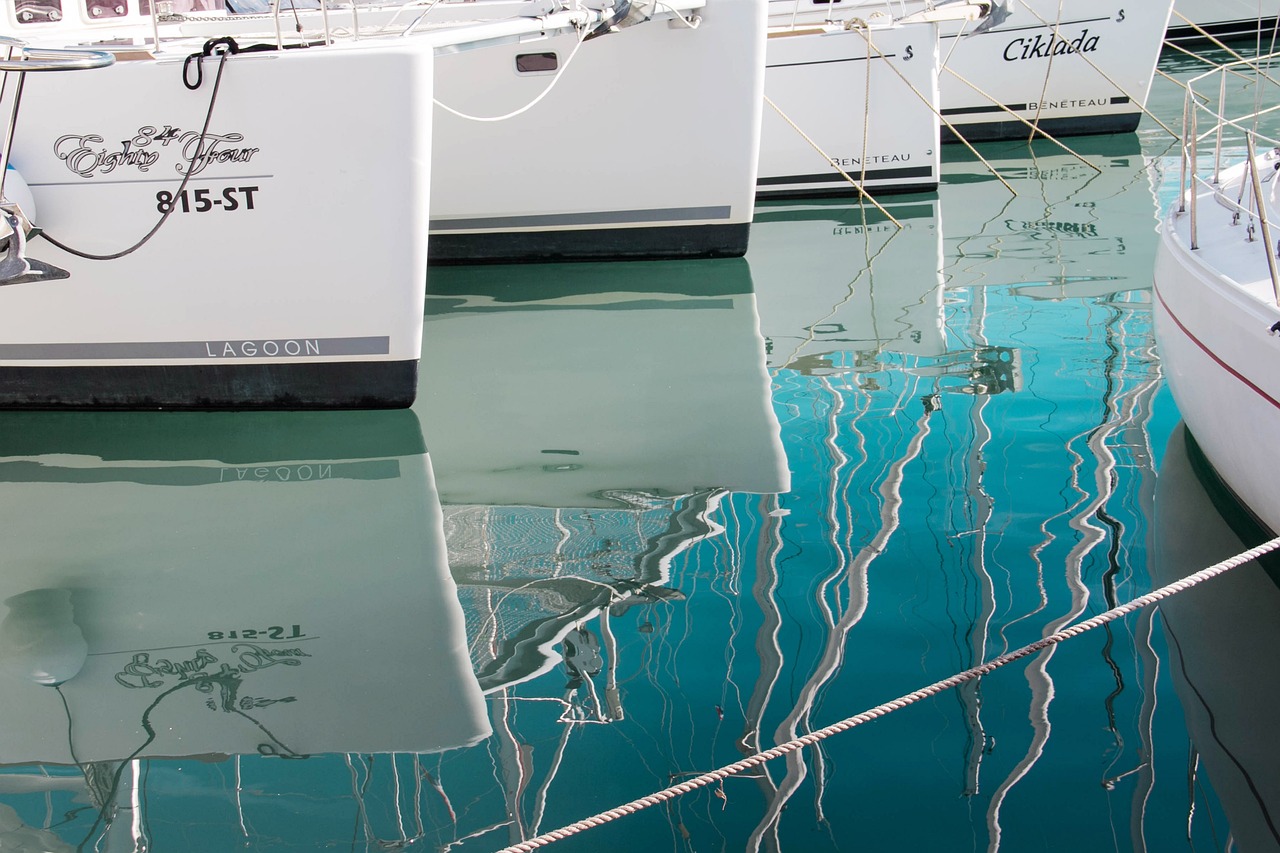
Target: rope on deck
[888,707]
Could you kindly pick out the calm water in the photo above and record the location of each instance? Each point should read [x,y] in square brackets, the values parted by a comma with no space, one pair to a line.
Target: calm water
[671,514]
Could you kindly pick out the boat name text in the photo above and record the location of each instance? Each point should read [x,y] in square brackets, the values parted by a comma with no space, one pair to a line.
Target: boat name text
[203,200]
[262,348]
[845,162]
[1064,105]
[274,474]
[1043,46]
[142,671]
[86,155]
[1073,229]
[275,632]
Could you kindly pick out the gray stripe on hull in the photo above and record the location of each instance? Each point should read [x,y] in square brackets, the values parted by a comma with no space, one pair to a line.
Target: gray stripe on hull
[206,350]
[608,217]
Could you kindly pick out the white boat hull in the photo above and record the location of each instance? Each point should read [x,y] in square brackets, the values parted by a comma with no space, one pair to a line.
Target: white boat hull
[290,270]
[1219,353]
[850,106]
[1202,21]
[645,145]
[1070,69]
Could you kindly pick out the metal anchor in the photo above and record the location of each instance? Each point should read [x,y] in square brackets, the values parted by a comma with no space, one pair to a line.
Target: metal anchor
[15,266]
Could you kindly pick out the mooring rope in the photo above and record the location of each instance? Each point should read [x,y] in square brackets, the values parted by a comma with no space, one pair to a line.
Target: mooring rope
[878,711]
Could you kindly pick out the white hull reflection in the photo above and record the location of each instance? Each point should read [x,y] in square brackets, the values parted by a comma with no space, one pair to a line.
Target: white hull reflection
[1046,223]
[195,586]
[562,509]
[835,277]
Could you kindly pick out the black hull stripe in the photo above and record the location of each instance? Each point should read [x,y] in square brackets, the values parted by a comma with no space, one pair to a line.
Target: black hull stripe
[570,220]
[1017,108]
[833,177]
[1223,31]
[846,190]
[1083,126]
[329,385]
[231,437]
[600,244]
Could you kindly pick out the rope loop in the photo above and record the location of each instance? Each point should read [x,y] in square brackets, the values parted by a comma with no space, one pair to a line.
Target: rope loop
[228,46]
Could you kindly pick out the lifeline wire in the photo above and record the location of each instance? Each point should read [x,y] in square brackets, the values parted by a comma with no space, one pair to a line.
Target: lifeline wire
[937,687]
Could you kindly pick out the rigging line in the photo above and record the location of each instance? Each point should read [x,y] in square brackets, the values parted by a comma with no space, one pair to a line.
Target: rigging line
[1044,86]
[943,119]
[892,705]
[861,189]
[1213,39]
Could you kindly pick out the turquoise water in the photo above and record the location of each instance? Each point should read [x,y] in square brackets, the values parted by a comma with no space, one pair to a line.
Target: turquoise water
[646,519]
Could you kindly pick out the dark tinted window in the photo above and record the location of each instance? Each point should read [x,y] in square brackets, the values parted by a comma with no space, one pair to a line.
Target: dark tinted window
[529,62]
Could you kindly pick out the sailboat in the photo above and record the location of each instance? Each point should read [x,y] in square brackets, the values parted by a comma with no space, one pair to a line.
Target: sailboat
[1030,67]
[1217,289]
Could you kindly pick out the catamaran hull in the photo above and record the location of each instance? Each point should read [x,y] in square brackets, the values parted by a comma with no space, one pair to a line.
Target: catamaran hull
[1079,68]
[845,106]
[1220,358]
[641,143]
[289,272]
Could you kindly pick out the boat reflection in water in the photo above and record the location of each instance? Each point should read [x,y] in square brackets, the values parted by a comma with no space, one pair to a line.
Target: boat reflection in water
[1048,223]
[561,507]
[189,598]
[833,276]
[1222,635]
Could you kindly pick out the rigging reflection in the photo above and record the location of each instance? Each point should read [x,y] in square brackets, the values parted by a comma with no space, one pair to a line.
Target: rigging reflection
[587,423]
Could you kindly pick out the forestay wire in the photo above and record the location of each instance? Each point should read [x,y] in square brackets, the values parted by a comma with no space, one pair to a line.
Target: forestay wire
[893,705]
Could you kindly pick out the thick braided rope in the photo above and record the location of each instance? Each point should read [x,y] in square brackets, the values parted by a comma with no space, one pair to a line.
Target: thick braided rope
[893,705]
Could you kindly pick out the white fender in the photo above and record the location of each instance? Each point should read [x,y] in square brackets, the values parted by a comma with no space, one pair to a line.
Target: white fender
[17,192]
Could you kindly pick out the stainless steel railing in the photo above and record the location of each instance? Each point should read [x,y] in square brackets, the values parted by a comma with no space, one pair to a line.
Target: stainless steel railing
[1253,77]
